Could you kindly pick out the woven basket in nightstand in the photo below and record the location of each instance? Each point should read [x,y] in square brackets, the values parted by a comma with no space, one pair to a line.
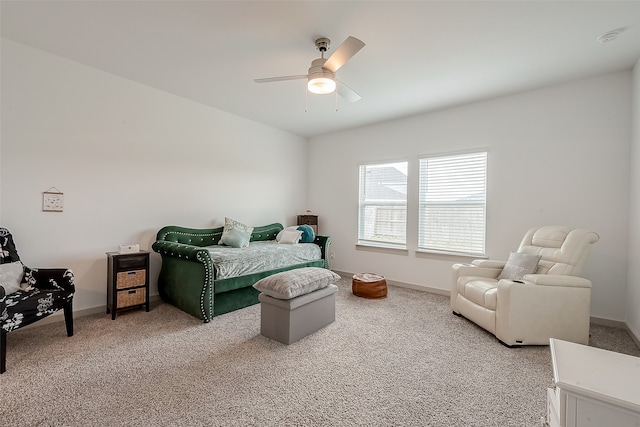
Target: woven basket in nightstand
[131,297]
[129,279]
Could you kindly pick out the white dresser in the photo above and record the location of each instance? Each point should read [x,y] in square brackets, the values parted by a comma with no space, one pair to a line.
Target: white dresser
[593,387]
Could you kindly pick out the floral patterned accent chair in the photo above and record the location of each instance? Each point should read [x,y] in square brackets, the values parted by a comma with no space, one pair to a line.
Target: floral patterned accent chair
[28,294]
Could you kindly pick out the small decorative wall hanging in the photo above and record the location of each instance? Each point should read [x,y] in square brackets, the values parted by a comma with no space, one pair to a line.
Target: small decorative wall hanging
[52,200]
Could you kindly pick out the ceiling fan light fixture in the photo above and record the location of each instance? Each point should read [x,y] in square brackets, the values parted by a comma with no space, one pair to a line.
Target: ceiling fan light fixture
[321,77]
[321,83]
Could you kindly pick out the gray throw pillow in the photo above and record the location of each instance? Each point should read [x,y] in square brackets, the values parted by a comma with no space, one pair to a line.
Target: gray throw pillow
[292,283]
[10,276]
[518,265]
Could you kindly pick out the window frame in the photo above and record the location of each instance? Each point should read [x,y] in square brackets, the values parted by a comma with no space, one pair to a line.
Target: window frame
[476,245]
[364,239]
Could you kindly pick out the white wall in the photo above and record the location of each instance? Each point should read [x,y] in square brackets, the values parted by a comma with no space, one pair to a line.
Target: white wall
[129,159]
[558,155]
[633,286]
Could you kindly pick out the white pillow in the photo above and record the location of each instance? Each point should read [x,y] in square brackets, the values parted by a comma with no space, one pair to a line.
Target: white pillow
[290,237]
[290,228]
[10,276]
[292,283]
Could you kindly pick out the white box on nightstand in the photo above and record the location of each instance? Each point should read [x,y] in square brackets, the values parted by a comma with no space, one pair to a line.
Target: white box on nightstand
[129,249]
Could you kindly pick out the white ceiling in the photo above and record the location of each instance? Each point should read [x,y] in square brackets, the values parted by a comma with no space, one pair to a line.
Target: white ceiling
[419,56]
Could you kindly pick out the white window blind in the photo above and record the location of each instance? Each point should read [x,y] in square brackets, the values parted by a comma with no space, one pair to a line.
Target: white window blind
[382,204]
[452,214]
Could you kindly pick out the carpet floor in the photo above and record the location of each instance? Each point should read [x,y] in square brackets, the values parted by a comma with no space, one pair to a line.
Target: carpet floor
[402,361]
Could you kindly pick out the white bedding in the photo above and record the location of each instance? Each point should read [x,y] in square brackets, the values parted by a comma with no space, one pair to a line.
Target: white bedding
[260,256]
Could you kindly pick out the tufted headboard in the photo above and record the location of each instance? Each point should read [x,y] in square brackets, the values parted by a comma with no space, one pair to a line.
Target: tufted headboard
[211,236]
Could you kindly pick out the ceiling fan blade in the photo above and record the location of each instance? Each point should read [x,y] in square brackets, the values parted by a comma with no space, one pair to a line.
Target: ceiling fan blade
[347,93]
[278,79]
[343,53]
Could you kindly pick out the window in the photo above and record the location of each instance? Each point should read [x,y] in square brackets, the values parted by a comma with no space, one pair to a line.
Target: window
[382,204]
[453,203]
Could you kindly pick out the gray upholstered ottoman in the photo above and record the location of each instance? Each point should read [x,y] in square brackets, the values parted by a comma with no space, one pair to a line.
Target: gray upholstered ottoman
[288,320]
[296,303]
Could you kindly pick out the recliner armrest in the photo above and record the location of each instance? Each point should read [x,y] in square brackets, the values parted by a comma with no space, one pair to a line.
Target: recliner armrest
[489,263]
[557,280]
[474,270]
[50,278]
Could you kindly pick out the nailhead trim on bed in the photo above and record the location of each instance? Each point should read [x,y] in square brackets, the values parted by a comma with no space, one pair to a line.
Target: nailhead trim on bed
[208,266]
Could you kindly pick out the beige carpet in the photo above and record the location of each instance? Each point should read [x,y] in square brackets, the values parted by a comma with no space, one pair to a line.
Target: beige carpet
[402,361]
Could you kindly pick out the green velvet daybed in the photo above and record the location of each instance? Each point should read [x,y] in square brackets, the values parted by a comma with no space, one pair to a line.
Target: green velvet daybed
[190,280]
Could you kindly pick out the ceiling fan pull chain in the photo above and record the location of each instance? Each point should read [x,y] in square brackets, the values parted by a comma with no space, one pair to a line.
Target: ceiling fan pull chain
[336,91]
[306,96]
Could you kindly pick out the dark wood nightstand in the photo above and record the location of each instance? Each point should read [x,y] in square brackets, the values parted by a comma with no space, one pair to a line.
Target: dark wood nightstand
[127,281]
[311,220]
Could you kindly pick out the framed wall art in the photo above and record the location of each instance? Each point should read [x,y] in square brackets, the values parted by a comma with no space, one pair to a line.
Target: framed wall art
[52,200]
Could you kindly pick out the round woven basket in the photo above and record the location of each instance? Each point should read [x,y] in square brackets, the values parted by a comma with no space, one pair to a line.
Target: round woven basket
[369,285]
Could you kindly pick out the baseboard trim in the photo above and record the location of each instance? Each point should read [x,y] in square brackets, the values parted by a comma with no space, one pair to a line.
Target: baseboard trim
[422,288]
[608,322]
[635,338]
[59,316]
[346,274]
[616,324]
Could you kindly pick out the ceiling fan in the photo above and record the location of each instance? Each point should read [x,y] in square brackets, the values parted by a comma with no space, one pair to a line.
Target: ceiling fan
[321,78]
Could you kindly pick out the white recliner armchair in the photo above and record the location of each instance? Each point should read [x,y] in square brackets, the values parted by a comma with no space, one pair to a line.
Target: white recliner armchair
[528,304]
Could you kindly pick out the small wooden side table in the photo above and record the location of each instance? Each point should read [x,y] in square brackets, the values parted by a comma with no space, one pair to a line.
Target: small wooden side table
[311,220]
[127,281]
